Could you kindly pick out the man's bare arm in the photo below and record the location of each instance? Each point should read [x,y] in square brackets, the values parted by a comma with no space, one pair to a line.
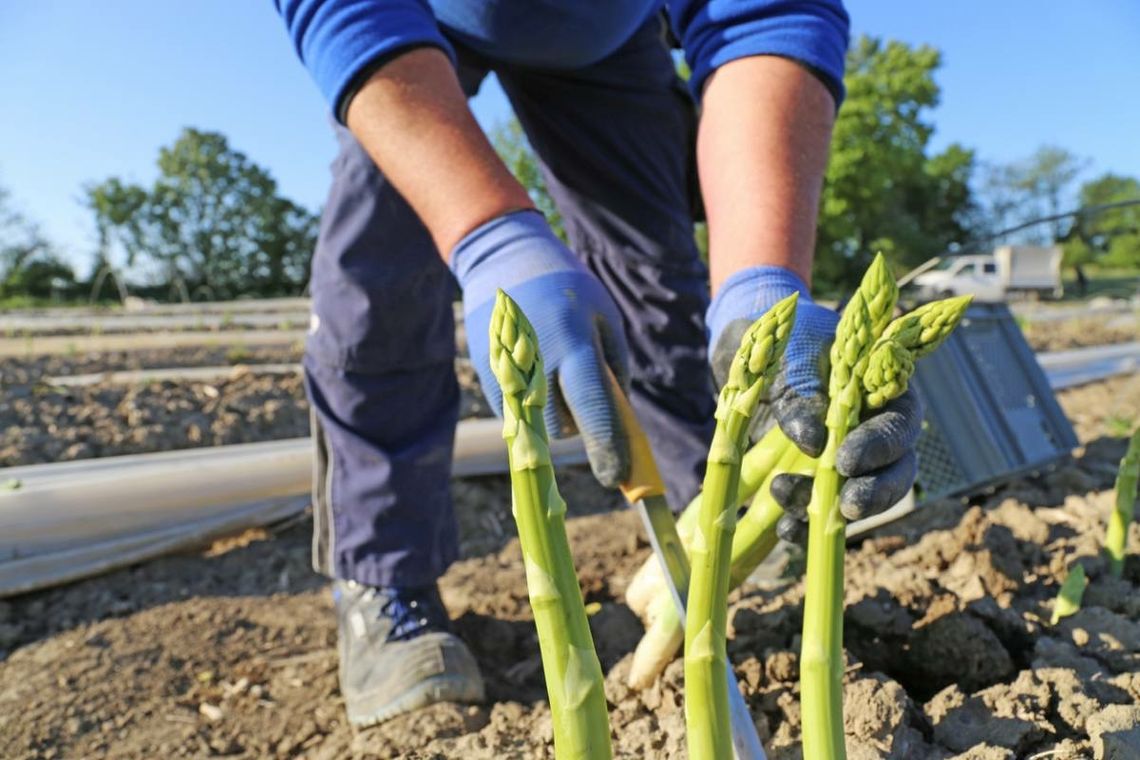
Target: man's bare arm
[762,152]
[412,118]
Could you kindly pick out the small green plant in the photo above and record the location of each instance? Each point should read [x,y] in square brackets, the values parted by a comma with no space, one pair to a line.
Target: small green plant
[1116,538]
[1068,600]
[1118,426]
[238,354]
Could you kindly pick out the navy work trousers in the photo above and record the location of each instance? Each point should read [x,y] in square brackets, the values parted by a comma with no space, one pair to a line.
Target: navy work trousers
[615,143]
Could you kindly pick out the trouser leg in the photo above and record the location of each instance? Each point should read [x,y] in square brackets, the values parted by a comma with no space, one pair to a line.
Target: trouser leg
[616,144]
[379,369]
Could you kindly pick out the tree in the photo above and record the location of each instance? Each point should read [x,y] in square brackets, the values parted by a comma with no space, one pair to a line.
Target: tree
[882,191]
[213,219]
[1110,237]
[120,213]
[1045,177]
[28,264]
[1028,189]
[1001,199]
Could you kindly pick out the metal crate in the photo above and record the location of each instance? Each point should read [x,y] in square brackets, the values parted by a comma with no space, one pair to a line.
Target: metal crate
[990,413]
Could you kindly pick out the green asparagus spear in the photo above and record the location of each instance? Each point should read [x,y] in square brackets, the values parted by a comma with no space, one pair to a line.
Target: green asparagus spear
[569,662]
[706,686]
[870,369]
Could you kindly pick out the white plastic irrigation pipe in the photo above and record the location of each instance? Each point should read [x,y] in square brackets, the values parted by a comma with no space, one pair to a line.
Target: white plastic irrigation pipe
[1063,368]
[83,560]
[1066,369]
[56,513]
[65,521]
[261,305]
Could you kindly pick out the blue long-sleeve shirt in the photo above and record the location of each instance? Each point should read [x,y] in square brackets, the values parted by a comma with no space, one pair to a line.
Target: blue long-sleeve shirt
[340,40]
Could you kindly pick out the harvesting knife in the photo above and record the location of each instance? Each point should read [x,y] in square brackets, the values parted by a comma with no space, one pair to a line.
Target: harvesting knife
[645,493]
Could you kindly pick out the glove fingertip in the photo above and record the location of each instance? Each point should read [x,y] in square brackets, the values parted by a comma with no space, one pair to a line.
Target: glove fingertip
[608,461]
[809,435]
[871,494]
[792,530]
[792,492]
[801,419]
[857,499]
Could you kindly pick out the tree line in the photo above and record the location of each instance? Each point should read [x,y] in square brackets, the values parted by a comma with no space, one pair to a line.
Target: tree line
[215,225]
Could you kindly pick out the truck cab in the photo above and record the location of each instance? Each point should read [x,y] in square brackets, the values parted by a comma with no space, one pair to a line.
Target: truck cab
[962,275]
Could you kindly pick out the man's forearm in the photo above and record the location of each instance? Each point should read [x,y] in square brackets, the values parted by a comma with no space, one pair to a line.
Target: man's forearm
[762,152]
[412,118]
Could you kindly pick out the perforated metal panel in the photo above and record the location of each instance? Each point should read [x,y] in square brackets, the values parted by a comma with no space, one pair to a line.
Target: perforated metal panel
[990,413]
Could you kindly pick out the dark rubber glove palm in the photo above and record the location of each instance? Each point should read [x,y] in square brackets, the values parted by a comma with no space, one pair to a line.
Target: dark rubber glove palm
[877,457]
[578,326]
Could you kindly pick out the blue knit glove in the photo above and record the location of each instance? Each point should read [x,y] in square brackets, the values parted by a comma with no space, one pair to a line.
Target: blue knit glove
[796,400]
[877,458]
[578,325]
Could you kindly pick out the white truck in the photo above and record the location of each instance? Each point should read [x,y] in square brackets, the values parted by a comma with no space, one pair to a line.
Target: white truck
[990,278]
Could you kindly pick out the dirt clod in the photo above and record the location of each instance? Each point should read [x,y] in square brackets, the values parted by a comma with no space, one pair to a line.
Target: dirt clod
[1115,732]
[957,648]
[878,715]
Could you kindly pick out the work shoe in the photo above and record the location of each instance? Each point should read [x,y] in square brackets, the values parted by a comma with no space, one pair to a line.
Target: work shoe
[397,652]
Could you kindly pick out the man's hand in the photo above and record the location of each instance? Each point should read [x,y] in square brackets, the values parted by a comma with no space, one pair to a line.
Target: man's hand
[579,329]
[877,457]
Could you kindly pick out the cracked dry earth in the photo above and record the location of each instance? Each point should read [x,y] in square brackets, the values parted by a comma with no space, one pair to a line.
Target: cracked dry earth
[42,422]
[228,651]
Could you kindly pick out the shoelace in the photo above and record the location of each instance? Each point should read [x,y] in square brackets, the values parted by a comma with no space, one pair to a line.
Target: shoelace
[413,612]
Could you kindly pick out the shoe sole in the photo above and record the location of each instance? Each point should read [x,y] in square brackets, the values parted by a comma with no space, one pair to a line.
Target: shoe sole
[428,692]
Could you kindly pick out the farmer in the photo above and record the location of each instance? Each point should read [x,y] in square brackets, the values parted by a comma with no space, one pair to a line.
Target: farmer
[421,206]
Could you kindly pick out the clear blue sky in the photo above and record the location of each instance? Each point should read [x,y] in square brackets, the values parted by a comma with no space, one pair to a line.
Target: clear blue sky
[92,89]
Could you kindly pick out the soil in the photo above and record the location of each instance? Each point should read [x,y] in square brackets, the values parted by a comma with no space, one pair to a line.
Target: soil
[1079,333]
[1109,408]
[229,651]
[25,371]
[43,423]
[54,423]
